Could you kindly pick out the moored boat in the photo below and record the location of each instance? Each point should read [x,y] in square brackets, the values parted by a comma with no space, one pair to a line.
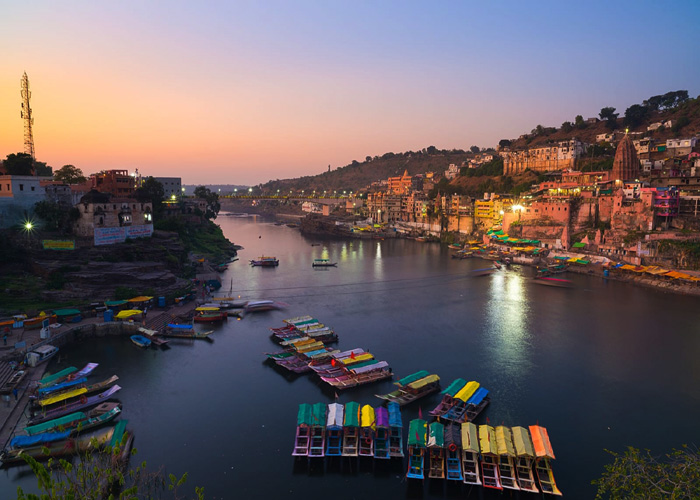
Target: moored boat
[78,421]
[67,374]
[323,263]
[381,434]
[367,428]
[489,457]
[525,458]
[317,434]
[41,354]
[395,430]
[544,454]
[265,261]
[556,282]
[417,431]
[81,391]
[334,430]
[140,341]
[470,454]
[263,305]
[413,387]
[436,450]
[378,370]
[12,382]
[351,429]
[506,454]
[303,433]
[453,459]
[73,406]
[184,332]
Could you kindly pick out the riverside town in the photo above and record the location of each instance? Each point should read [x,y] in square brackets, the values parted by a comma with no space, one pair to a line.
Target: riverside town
[224,304]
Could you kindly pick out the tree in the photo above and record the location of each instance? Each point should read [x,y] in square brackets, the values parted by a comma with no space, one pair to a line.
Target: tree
[638,474]
[504,143]
[431,150]
[42,169]
[19,164]
[212,199]
[368,159]
[635,115]
[567,127]
[474,149]
[579,122]
[608,114]
[153,191]
[55,216]
[69,174]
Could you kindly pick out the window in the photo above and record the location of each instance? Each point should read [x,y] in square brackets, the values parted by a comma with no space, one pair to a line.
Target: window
[21,187]
[32,188]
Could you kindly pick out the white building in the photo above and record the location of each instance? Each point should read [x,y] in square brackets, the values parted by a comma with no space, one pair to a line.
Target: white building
[18,194]
[452,171]
[171,185]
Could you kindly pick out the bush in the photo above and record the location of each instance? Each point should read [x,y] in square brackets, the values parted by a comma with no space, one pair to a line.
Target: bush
[124,293]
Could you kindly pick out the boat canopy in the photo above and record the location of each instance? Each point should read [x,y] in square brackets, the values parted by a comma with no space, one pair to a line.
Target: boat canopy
[436,435]
[478,396]
[454,387]
[394,414]
[467,391]
[369,368]
[117,433]
[430,379]
[352,414]
[357,358]
[487,440]
[382,415]
[115,303]
[453,435]
[335,416]
[178,326]
[63,385]
[523,443]
[417,429]
[504,437]
[369,362]
[319,415]
[127,313]
[50,437]
[412,377]
[470,438]
[62,397]
[66,312]
[141,298]
[39,428]
[208,308]
[540,441]
[368,417]
[304,414]
[56,376]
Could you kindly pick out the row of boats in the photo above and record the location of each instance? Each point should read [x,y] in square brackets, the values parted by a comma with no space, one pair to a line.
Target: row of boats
[498,457]
[63,406]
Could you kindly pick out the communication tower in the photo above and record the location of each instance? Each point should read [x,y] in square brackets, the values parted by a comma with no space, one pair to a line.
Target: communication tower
[26,115]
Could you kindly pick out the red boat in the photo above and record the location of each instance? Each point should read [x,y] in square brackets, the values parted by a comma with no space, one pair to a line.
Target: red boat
[210,317]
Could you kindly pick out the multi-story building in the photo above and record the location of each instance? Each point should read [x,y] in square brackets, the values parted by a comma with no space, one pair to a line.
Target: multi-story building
[400,184]
[115,182]
[111,219]
[172,186]
[18,194]
[560,156]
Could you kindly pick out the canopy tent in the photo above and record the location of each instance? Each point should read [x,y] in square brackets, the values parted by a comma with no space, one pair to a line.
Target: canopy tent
[487,440]
[351,417]
[368,418]
[523,443]
[208,309]
[304,414]
[436,435]
[115,303]
[382,417]
[417,430]
[318,415]
[430,379]
[467,391]
[128,313]
[413,377]
[470,438]
[335,416]
[540,441]
[394,414]
[141,299]
[504,437]
[454,387]
[66,312]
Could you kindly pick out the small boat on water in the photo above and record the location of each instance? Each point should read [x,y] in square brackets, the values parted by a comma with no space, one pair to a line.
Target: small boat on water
[506,453]
[417,438]
[525,459]
[323,263]
[74,406]
[351,432]
[210,317]
[556,282]
[67,374]
[470,454]
[382,433]
[140,341]
[12,382]
[367,428]
[41,354]
[413,387]
[303,433]
[82,421]
[152,335]
[489,457]
[263,305]
[334,430]
[436,451]
[544,454]
[184,331]
[453,459]
[483,272]
[265,261]
[80,392]
[395,430]
[317,434]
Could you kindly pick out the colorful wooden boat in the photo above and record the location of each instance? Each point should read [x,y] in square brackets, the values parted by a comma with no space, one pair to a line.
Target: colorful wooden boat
[381,434]
[506,453]
[12,382]
[395,430]
[417,431]
[140,341]
[184,331]
[556,282]
[81,392]
[303,434]
[525,459]
[366,374]
[66,374]
[544,454]
[265,261]
[470,454]
[263,305]
[78,421]
[210,316]
[73,406]
[351,429]
[448,400]
[323,263]
[453,459]
[488,445]
[367,429]
[334,430]
[317,436]
[40,354]
[436,450]
[413,387]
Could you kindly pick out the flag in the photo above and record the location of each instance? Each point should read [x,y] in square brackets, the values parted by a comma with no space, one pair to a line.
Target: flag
[332,362]
[352,355]
[336,396]
[420,413]
[487,421]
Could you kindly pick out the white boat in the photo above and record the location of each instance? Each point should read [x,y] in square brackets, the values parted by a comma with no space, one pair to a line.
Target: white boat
[41,354]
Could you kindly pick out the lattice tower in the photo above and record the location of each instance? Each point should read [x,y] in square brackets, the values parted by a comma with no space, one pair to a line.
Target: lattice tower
[27,117]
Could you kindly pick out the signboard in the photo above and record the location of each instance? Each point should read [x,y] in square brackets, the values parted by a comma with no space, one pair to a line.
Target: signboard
[111,235]
[21,345]
[58,244]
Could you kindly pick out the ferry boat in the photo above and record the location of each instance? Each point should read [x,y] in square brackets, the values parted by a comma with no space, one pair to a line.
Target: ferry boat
[41,354]
[264,261]
[323,263]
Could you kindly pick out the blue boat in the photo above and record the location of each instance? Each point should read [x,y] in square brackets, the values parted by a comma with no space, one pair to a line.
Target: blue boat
[334,430]
[396,430]
[140,341]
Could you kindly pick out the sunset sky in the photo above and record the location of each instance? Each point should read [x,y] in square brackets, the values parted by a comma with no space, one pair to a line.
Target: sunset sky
[244,92]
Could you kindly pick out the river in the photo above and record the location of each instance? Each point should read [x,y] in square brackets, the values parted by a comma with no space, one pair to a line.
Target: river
[602,366]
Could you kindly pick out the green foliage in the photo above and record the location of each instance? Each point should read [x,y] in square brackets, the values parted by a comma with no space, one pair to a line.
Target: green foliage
[55,216]
[492,168]
[18,164]
[579,122]
[638,474]
[42,169]
[608,114]
[100,474]
[212,199]
[56,280]
[567,127]
[598,166]
[635,115]
[153,191]
[69,174]
[504,143]
[680,124]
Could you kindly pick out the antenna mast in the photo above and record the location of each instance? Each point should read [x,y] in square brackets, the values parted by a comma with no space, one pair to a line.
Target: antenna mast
[26,115]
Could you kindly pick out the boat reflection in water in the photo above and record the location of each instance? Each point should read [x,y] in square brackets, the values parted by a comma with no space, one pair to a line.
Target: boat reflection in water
[562,283]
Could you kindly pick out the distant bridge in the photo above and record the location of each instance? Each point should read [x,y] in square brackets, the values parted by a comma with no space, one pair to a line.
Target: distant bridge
[324,199]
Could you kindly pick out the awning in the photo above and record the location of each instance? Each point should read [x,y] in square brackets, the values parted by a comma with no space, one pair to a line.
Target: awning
[579,245]
[127,313]
[66,312]
[115,303]
[140,299]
